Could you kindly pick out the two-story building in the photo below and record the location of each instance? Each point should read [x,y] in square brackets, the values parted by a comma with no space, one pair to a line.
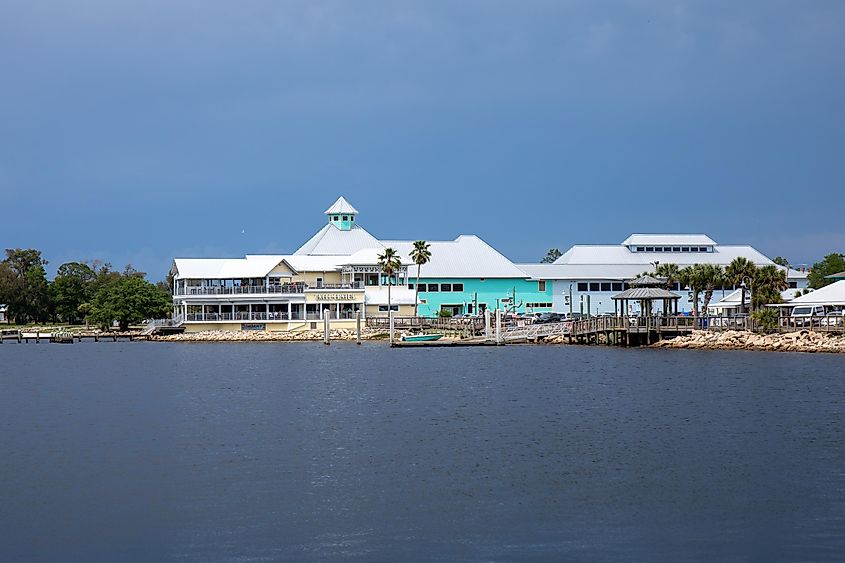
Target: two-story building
[336,273]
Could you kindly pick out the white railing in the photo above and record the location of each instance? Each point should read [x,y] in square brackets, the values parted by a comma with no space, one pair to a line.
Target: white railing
[241,289]
[156,324]
[242,316]
[286,288]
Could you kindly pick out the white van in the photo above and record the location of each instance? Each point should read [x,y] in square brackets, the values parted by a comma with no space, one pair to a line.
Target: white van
[806,315]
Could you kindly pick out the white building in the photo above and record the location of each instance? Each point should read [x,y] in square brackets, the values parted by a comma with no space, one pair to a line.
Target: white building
[336,273]
[597,272]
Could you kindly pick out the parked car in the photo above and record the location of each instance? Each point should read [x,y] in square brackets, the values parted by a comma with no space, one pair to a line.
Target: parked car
[549,318]
[806,315]
[833,319]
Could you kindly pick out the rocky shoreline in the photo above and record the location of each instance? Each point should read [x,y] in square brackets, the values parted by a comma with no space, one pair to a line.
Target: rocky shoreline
[268,336]
[800,341]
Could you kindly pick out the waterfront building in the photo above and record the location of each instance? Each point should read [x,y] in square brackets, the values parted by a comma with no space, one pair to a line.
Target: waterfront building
[3,313]
[831,297]
[336,273]
[586,277]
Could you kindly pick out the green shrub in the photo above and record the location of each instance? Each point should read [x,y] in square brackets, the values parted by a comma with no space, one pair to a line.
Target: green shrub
[766,318]
[445,313]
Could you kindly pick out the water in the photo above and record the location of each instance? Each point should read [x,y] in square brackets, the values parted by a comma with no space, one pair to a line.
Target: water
[239,452]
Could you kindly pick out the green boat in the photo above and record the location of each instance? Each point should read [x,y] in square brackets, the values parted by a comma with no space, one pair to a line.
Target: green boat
[420,337]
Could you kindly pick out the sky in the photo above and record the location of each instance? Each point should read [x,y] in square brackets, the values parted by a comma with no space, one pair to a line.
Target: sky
[136,132]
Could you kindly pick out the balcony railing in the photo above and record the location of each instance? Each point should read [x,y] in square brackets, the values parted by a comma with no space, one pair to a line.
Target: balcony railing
[240,289]
[262,316]
[286,288]
[242,316]
[353,285]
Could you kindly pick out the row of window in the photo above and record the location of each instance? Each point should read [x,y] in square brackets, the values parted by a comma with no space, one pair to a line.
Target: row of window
[434,287]
[539,305]
[602,286]
[621,286]
[383,308]
[345,218]
[673,249]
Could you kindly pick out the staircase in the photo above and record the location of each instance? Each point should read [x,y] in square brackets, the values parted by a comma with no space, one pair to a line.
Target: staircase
[156,325]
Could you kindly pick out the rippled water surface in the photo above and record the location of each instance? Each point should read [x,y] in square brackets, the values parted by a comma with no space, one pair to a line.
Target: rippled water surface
[240,452]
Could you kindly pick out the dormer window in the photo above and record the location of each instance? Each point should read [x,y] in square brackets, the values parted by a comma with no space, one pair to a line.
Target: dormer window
[346,217]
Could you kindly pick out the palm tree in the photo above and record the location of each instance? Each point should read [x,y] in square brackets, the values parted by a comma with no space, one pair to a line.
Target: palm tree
[389,263]
[737,271]
[420,255]
[694,277]
[712,276]
[670,272]
[769,281]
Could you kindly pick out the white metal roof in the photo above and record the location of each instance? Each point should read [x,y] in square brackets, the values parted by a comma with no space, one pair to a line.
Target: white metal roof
[833,294]
[226,268]
[668,240]
[465,257]
[618,254]
[341,206]
[369,256]
[331,241]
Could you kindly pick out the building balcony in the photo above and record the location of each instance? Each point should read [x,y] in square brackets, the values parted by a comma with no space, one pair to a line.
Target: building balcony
[241,316]
[281,289]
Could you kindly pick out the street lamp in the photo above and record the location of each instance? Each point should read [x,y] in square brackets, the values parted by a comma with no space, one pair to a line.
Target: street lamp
[743,285]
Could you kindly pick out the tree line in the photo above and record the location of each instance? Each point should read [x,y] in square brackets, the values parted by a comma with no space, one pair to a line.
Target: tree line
[81,292]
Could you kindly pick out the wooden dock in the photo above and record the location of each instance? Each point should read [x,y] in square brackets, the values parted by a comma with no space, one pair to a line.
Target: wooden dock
[66,337]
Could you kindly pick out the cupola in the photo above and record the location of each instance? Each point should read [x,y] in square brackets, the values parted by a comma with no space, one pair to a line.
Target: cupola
[341,214]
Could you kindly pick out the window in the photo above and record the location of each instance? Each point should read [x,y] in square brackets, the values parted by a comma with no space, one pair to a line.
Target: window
[445,287]
[582,286]
[792,285]
[383,308]
[616,286]
[433,287]
[676,249]
[372,279]
[595,286]
[337,217]
[351,218]
[694,249]
[541,285]
[410,286]
[457,287]
[685,249]
[346,217]
[702,249]
[605,286]
[649,249]
[640,249]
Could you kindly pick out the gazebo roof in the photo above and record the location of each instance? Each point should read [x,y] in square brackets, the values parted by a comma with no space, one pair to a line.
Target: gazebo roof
[646,281]
[646,293]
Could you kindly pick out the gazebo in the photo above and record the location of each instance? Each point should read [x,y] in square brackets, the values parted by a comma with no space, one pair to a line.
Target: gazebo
[646,289]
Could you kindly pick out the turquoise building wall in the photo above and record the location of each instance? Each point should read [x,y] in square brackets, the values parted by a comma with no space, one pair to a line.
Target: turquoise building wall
[488,292]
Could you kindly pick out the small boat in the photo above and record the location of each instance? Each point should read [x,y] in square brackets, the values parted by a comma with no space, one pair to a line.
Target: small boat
[420,337]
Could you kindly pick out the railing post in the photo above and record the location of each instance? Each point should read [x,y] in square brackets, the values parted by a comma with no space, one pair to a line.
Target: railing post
[498,326]
[358,327]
